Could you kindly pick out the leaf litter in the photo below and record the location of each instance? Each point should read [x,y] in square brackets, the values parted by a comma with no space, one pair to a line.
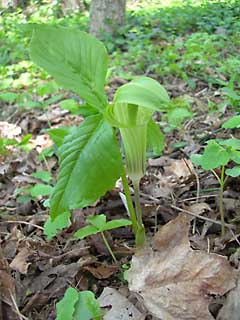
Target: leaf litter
[175,281]
[46,268]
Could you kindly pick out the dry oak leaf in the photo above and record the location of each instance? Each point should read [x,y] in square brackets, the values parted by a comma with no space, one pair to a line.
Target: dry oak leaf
[175,281]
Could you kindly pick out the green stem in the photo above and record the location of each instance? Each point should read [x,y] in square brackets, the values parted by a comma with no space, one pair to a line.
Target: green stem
[108,247]
[138,208]
[138,228]
[140,238]
[221,207]
[221,181]
[129,203]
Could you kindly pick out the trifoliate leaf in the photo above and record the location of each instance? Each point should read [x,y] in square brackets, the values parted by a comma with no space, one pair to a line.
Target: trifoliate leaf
[66,307]
[97,221]
[233,172]
[41,190]
[87,307]
[232,123]
[85,232]
[233,143]
[214,156]
[90,164]
[116,224]
[51,228]
[42,175]
[77,60]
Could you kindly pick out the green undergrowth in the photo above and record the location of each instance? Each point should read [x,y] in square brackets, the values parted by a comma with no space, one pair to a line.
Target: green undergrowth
[190,41]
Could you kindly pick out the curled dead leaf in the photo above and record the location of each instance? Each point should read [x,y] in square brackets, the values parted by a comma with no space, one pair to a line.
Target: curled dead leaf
[121,307]
[175,281]
[20,262]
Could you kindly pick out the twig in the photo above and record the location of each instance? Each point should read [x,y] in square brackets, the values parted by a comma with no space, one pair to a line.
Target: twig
[230,226]
[23,222]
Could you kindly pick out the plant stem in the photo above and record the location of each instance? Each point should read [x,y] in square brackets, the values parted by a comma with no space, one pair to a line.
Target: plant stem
[138,208]
[221,181]
[221,207]
[108,247]
[138,228]
[129,203]
[140,238]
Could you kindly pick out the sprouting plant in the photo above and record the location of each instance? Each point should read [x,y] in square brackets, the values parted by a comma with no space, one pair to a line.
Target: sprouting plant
[78,305]
[218,154]
[178,111]
[24,144]
[98,224]
[90,157]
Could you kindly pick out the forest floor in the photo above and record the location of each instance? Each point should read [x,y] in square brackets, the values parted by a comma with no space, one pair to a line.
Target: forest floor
[193,51]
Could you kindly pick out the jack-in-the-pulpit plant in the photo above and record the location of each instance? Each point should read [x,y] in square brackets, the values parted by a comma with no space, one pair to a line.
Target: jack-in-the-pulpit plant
[90,158]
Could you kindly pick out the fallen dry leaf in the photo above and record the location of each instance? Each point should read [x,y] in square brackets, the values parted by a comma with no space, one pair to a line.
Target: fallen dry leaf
[7,292]
[9,130]
[173,174]
[101,271]
[20,262]
[175,281]
[121,307]
[232,305]
[198,208]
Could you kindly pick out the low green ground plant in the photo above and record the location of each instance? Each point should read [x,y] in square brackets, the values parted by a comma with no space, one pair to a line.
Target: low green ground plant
[78,305]
[90,157]
[222,154]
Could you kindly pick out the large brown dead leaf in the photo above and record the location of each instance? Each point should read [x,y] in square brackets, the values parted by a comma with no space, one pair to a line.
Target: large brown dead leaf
[120,307]
[231,308]
[7,292]
[175,281]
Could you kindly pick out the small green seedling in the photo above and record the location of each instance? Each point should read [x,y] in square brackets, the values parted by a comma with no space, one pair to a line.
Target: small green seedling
[233,97]
[178,111]
[90,157]
[24,144]
[98,224]
[42,188]
[78,306]
[218,154]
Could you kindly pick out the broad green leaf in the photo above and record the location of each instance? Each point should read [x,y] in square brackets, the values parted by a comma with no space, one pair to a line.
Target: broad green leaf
[85,232]
[66,307]
[47,88]
[98,221]
[214,156]
[233,172]
[8,97]
[196,159]
[43,175]
[90,164]
[231,94]
[77,60]
[233,143]
[51,228]
[232,123]
[25,139]
[144,92]
[58,134]
[70,105]
[87,307]
[235,155]
[155,138]
[41,190]
[116,224]
[176,116]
